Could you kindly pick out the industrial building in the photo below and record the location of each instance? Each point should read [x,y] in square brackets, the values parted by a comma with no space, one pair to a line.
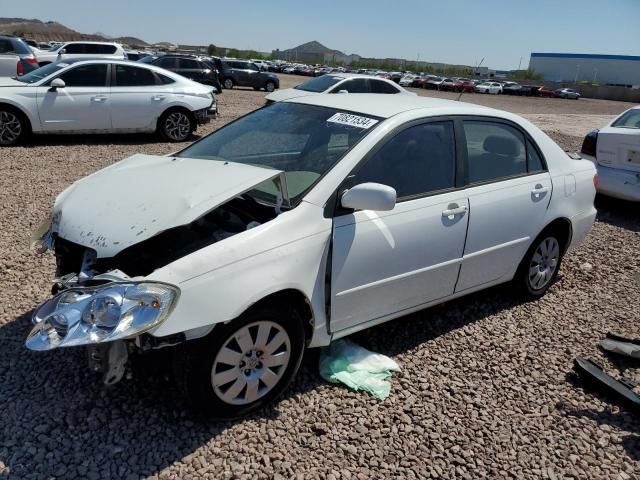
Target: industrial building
[620,70]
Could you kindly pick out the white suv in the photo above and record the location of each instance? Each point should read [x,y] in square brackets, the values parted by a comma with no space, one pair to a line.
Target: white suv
[108,50]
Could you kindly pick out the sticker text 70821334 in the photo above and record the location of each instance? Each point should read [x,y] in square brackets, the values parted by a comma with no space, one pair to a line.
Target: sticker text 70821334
[352,120]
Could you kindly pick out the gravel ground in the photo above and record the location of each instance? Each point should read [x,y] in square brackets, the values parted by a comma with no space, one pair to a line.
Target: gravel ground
[484,390]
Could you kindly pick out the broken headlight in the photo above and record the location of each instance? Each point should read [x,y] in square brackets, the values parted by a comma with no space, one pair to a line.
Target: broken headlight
[84,316]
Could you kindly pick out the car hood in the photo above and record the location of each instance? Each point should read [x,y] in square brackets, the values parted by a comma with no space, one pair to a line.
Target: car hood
[143,195]
[288,94]
[11,82]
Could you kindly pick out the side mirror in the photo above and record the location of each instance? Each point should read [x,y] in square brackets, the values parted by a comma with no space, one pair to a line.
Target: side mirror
[369,196]
[56,83]
[62,51]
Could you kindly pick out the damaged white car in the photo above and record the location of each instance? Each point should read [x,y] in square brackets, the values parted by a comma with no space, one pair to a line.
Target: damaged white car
[298,224]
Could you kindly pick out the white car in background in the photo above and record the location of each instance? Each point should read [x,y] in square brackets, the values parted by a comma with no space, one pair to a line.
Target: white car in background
[339,83]
[489,87]
[102,96]
[615,150]
[301,223]
[68,50]
[407,80]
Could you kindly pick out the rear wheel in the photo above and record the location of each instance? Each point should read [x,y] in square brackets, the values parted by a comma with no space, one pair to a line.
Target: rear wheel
[13,126]
[227,83]
[270,86]
[540,265]
[176,125]
[243,365]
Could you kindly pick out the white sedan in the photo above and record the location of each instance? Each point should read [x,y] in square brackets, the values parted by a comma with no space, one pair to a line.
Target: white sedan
[301,223]
[489,87]
[102,96]
[615,150]
[338,83]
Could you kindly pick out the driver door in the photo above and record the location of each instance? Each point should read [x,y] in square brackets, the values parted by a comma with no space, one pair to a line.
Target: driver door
[83,104]
[384,263]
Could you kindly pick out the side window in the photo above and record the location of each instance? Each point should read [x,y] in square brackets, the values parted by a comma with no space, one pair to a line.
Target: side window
[187,63]
[105,49]
[378,86]
[494,150]
[418,160]
[5,46]
[164,79]
[75,48]
[357,85]
[86,76]
[127,76]
[168,63]
[534,162]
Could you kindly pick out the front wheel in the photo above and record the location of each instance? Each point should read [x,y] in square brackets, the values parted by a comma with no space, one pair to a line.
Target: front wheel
[540,265]
[243,365]
[13,127]
[227,83]
[176,125]
[270,86]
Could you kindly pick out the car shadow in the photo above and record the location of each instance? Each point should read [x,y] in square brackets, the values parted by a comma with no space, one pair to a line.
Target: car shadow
[51,401]
[51,140]
[618,213]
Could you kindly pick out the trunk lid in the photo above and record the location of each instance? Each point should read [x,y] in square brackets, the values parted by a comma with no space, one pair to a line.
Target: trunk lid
[619,148]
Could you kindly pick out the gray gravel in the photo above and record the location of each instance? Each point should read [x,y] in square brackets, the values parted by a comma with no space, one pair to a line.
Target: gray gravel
[483,391]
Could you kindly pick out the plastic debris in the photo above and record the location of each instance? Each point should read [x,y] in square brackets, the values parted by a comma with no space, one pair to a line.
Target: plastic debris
[621,345]
[358,368]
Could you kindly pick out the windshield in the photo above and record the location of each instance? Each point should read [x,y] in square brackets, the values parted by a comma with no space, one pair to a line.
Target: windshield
[319,84]
[630,119]
[42,72]
[304,141]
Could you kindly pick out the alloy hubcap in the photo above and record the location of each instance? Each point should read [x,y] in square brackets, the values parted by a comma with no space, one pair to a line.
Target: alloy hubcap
[270,87]
[251,363]
[544,263]
[228,83]
[177,126]
[10,128]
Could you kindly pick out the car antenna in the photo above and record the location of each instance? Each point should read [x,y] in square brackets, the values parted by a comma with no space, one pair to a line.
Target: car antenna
[475,72]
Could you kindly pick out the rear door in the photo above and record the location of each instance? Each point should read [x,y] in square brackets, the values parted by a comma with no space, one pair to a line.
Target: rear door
[136,98]
[509,189]
[84,104]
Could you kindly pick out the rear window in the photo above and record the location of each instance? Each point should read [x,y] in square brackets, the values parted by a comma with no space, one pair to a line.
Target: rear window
[319,84]
[127,76]
[630,119]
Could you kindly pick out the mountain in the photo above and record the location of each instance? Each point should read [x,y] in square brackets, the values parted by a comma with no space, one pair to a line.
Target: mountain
[314,51]
[34,29]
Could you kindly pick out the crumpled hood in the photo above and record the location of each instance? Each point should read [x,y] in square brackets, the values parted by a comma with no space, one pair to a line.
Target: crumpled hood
[143,195]
[288,94]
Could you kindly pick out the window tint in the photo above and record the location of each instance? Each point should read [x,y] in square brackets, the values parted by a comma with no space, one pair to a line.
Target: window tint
[187,63]
[5,46]
[75,48]
[631,119]
[494,151]
[357,85]
[378,86]
[318,84]
[104,49]
[164,79]
[168,63]
[534,162]
[127,76]
[86,76]
[420,159]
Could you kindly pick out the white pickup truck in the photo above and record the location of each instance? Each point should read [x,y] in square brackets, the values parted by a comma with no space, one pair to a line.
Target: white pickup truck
[10,65]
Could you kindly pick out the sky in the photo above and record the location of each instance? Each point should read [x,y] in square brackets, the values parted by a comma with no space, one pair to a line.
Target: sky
[503,32]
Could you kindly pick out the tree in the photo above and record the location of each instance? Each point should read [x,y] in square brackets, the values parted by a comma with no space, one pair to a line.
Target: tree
[233,53]
[212,49]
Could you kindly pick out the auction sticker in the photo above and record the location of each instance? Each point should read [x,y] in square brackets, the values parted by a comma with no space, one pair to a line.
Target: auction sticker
[352,120]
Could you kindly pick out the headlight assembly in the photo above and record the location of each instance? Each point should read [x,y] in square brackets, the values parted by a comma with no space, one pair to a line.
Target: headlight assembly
[85,316]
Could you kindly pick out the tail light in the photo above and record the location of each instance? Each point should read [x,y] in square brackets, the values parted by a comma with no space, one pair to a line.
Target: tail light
[31,59]
[590,143]
[19,70]
[595,180]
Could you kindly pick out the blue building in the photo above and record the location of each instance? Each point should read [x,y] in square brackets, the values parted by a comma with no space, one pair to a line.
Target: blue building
[621,70]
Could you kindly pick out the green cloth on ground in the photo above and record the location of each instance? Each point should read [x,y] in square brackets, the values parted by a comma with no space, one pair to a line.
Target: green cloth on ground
[345,362]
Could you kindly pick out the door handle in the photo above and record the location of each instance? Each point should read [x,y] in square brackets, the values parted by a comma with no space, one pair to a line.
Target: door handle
[454,209]
[99,98]
[157,98]
[539,189]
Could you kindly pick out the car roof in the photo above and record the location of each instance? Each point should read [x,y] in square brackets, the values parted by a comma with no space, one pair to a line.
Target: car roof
[75,60]
[386,106]
[92,43]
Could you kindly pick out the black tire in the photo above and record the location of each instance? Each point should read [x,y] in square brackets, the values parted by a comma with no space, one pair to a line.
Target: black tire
[176,125]
[196,360]
[256,88]
[269,87]
[14,126]
[228,83]
[524,279]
